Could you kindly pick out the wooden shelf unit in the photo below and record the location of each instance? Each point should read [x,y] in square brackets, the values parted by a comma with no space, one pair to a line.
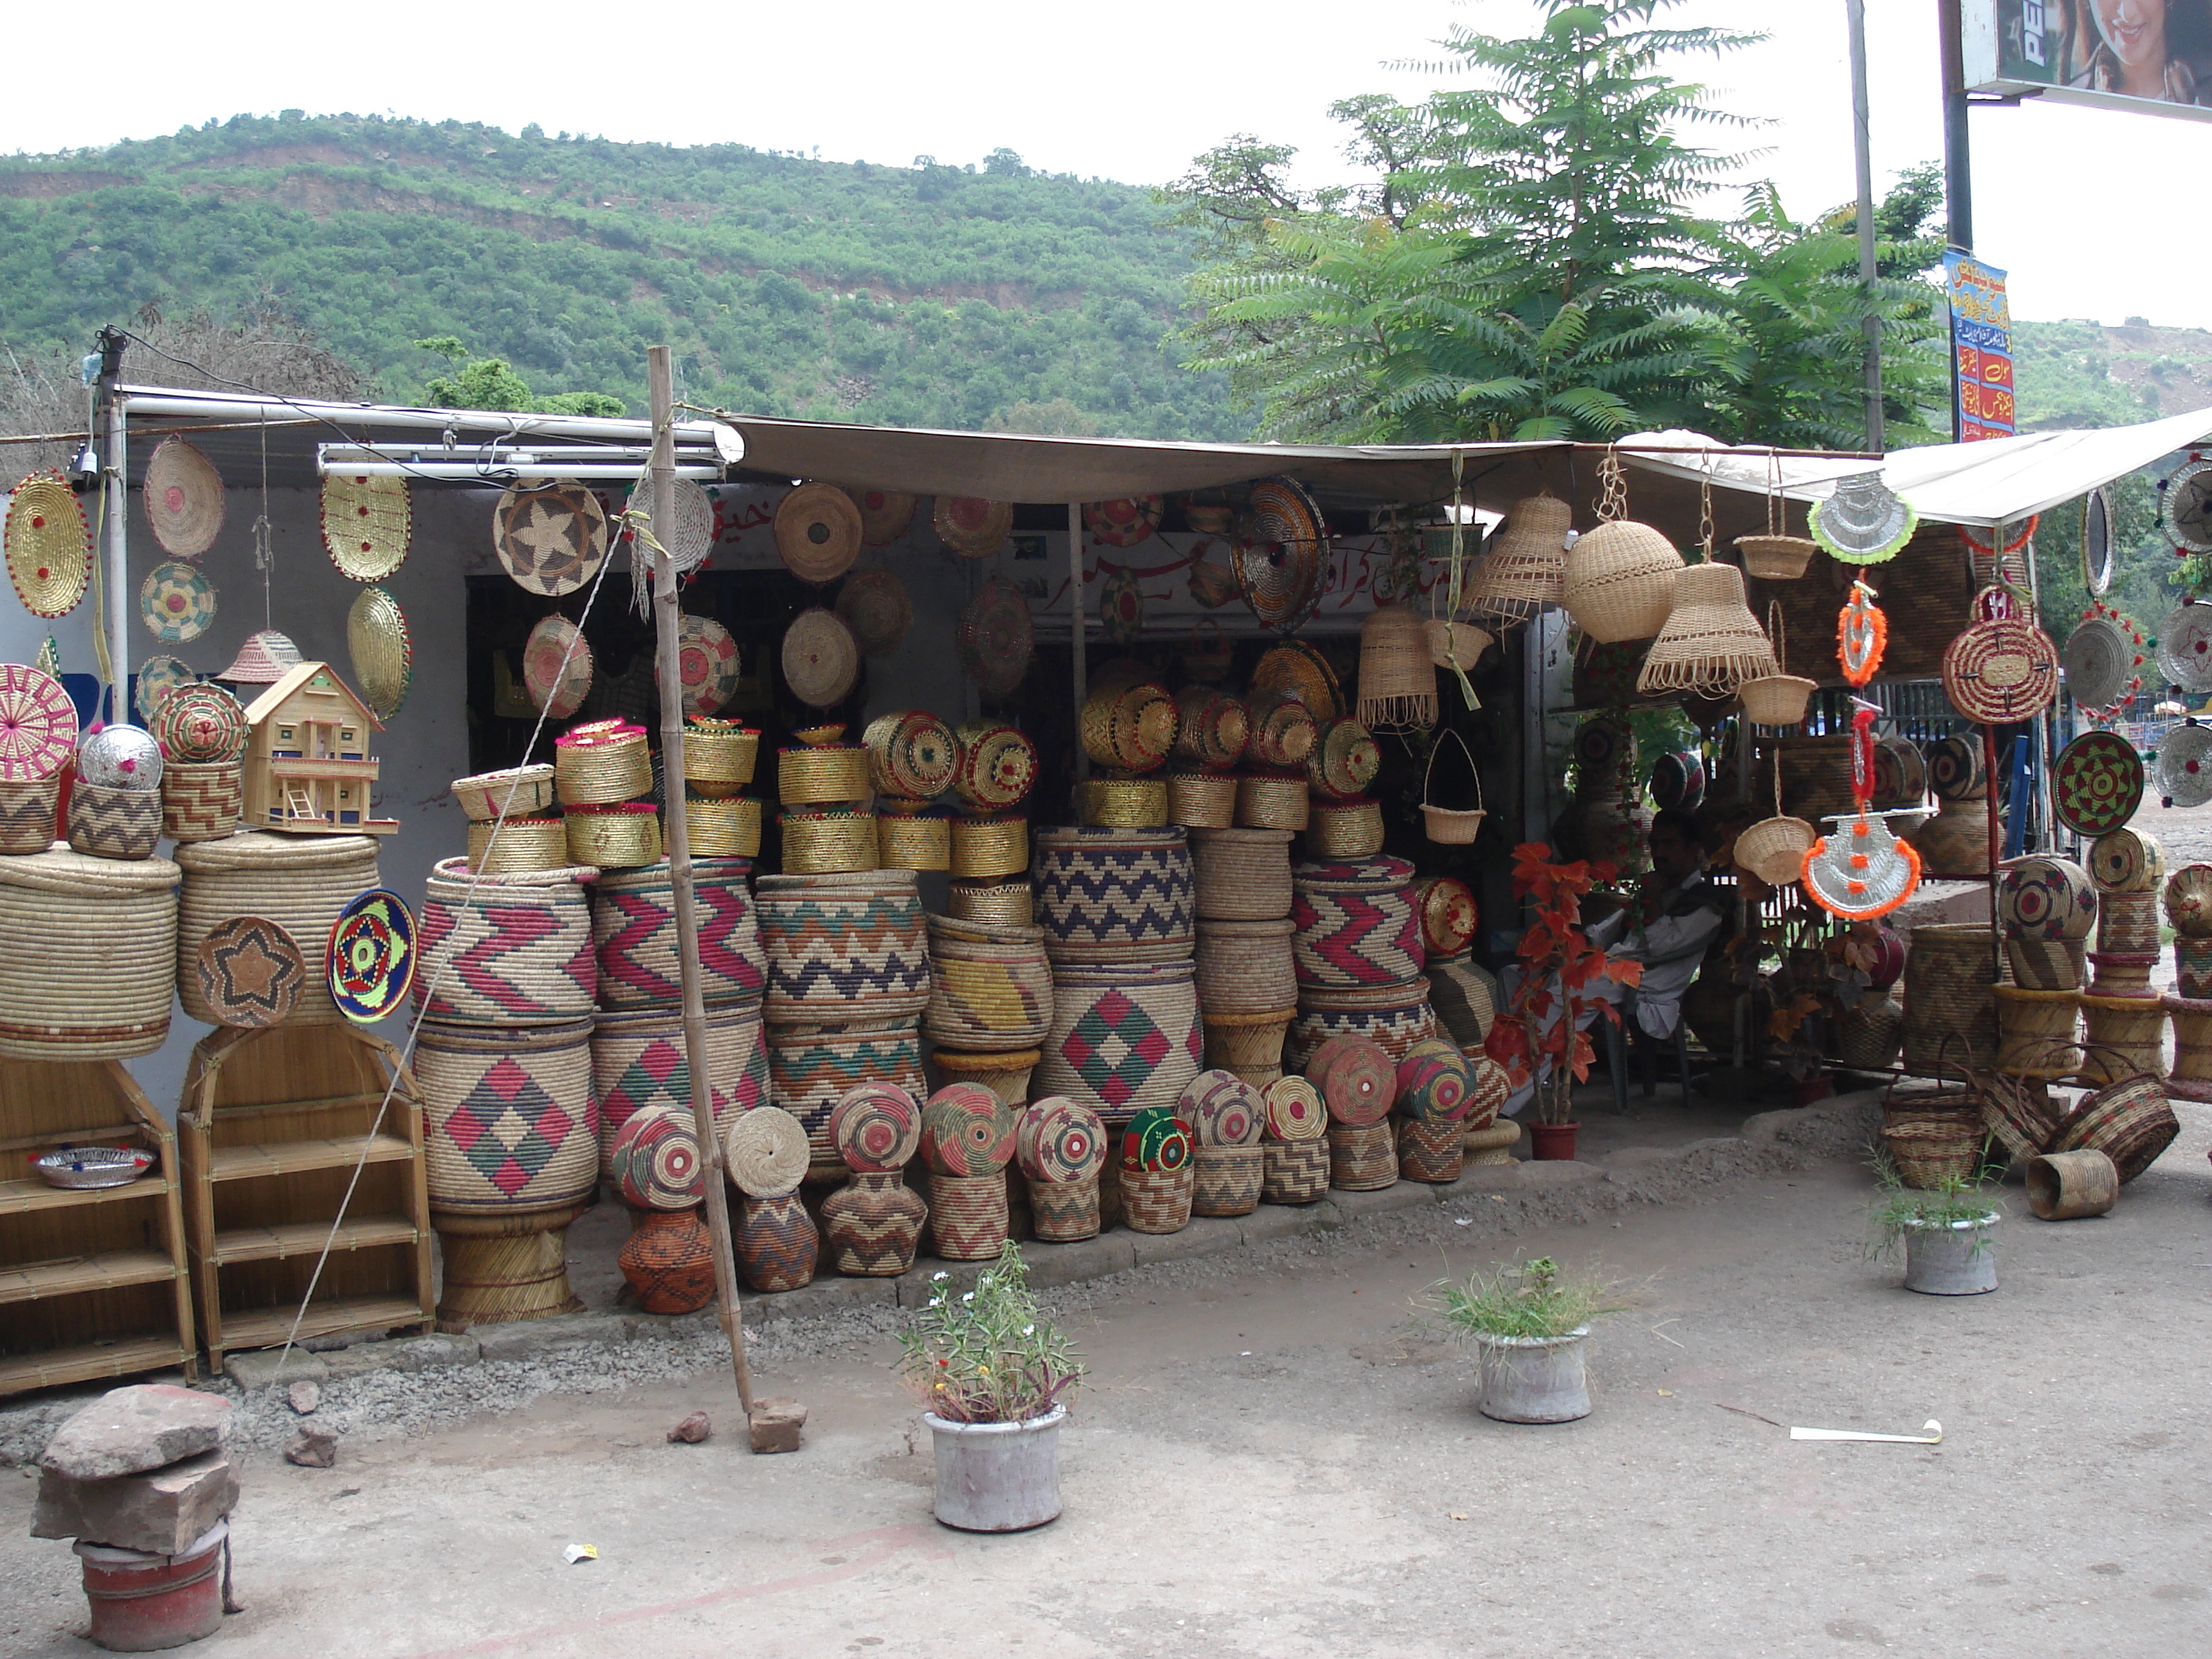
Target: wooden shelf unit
[92,1285]
[273,1125]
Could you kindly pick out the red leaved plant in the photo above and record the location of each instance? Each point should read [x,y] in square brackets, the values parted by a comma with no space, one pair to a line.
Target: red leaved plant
[1558,964]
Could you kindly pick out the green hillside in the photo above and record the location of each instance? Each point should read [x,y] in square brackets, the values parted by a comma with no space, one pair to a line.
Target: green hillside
[916,295]
[2077,373]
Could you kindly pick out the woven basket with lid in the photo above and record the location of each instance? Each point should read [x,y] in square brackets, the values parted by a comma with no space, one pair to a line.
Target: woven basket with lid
[1270,800]
[1115,896]
[1202,801]
[1211,728]
[634,934]
[298,882]
[113,923]
[843,946]
[504,950]
[1244,967]
[1132,727]
[1241,875]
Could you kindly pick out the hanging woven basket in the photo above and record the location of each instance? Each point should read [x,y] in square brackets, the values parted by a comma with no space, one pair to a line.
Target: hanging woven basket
[1397,680]
[1525,567]
[2001,670]
[1450,826]
[1711,641]
[1619,581]
[1778,698]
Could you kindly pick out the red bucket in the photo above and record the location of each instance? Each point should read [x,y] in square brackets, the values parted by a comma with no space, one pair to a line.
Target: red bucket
[142,1602]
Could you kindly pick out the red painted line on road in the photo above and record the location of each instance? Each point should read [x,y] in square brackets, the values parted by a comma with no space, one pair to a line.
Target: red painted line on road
[890,1541]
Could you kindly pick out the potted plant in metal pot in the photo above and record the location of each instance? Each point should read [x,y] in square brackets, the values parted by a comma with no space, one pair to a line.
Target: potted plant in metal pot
[1528,1323]
[1541,1036]
[992,1374]
[1945,1229]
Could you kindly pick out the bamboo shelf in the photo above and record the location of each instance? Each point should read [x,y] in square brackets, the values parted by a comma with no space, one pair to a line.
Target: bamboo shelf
[93,1283]
[274,1125]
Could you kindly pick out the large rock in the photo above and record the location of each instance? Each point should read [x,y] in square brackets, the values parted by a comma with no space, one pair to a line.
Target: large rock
[161,1512]
[130,1431]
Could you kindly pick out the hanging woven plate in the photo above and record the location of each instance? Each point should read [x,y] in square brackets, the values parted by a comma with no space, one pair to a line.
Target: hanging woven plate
[1864,522]
[367,524]
[49,545]
[2103,660]
[556,667]
[201,722]
[383,654]
[821,659]
[707,665]
[1281,554]
[2096,783]
[38,725]
[157,678]
[2185,504]
[1295,670]
[2184,765]
[875,606]
[996,638]
[2184,648]
[885,515]
[1123,523]
[251,972]
[184,499]
[1122,606]
[817,532]
[2097,558]
[1997,671]
[552,537]
[971,526]
[1861,634]
[371,960]
[176,603]
[1861,871]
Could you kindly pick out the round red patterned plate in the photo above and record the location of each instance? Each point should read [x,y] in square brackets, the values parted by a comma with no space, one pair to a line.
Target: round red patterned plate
[177,602]
[706,662]
[1122,523]
[372,955]
[2097,783]
[38,725]
[556,667]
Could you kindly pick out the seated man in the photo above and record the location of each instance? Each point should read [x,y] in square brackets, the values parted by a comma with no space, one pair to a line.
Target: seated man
[1666,927]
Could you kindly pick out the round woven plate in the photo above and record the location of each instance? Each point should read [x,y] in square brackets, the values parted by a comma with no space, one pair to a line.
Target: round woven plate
[2096,783]
[2184,648]
[556,667]
[653,1159]
[551,539]
[817,532]
[2097,660]
[1223,1108]
[996,638]
[371,959]
[367,523]
[1294,669]
[202,721]
[875,606]
[1954,768]
[2042,897]
[38,725]
[1997,671]
[821,659]
[184,499]
[2186,506]
[966,1130]
[1295,1111]
[49,545]
[2184,765]
[971,526]
[765,1153]
[885,515]
[690,537]
[875,1127]
[1058,1140]
[1281,554]
[176,602]
[706,662]
[2096,542]
[157,678]
[1123,523]
[251,972]
[383,654]
[1156,1139]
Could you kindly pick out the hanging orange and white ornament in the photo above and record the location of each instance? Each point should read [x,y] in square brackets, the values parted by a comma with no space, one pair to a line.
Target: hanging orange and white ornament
[1861,870]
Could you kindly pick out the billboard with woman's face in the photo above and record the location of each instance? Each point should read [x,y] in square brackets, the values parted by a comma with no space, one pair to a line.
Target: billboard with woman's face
[2155,56]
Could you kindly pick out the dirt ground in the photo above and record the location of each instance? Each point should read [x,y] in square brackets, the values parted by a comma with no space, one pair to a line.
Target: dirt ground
[1268,1459]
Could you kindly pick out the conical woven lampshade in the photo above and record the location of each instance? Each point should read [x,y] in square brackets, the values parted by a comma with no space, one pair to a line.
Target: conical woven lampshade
[1710,642]
[1397,681]
[1619,581]
[1521,572]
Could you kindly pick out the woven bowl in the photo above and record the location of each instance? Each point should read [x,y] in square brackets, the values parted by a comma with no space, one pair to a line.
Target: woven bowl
[985,849]
[827,843]
[520,792]
[1123,803]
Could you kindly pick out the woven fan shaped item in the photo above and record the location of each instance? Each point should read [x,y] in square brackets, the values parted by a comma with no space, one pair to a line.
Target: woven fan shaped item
[996,638]
[49,545]
[885,516]
[1123,523]
[1864,522]
[184,499]
[2184,765]
[2000,671]
[383,654]
[1295,670]
[1281,554]
[556,667]
[2184,648]
[550,538]
[817,532]
[1523,568]
[705,664]
[875,606]
[1862,871]
[176,603]
[251,972]
[1710,642]
[971,526]
[157,678]
[2099,661]
[821,663]
[367,524]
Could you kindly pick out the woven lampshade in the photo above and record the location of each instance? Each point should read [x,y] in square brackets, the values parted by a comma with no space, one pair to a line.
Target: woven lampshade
[1711,643]
[1527,561]
[1619,581]
[1397,681]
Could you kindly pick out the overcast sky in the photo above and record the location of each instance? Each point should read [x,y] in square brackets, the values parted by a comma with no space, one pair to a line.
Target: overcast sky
[2090,210]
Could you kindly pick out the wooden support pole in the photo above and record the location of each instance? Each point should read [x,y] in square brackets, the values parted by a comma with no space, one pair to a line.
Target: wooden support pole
[661,385]
[1078,623]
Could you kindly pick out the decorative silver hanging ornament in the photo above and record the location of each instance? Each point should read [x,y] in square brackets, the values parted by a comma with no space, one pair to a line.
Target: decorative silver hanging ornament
[1864,522]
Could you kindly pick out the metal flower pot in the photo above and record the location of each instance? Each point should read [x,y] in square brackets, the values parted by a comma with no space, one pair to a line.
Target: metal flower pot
[1532,1379]
[997,1476]
[1954,1260]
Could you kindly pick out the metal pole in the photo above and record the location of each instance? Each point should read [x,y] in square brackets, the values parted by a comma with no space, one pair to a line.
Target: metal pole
[661,386]
[115,480]
[1957,174]
[1077,622]
[1862,155]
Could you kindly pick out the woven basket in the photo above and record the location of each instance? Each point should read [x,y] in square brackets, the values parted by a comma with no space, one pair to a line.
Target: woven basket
[843,947]
[622,837]
[600,768]
[729,827]
[1711,643]
[1293,1172]
[811,1067]
[1395,1016]
[1115,802]
[633,935]
[1356,926]
[1211,728]
[1116,895]
[2048,964]
[1930,1151]
[1063,1211]
[983,848]
[1344,762]
[1397,680]
[520,847]
[1465,996]
[1004,1074]
[776,1243]
[2128,1118]
[504,951]
[824,775]
[1522,570]
[1244,967]
[872,1226]
[1869,1035]
[2192,967]
[1107,1022]
[2191,1076]
[1225,1181]
[1284,733]
[1269,801]
[509,1123]
[990,989]
[912,754]
[967,1216]
[1363,1159]
[123,824]
[828,844]
[1949,973]
[913,841]
[201,800]
[92,956]
[2035,1032]
[1492,1144]
[1130,726]
[638,1062]
[1777,698]
[996,903]
[30,814]
[719,757]
[2125,1034]
[2122,973]
[1157,1200]
[517,791]
[1202,801]
[1434,1152]
[2018,1112]
[1776,558]
[998,766]
[1619,581]
[1241,875]
[1345,830]
[299,883]
[2127,922]
[1451,826]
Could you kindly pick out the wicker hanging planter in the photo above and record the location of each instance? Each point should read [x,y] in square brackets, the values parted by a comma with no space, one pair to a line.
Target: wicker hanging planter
[1710,642]
[1450,826]
[1397,680]
[1774,850]
[1778,698]
[1774,557]
[1620,581]
[1525,567]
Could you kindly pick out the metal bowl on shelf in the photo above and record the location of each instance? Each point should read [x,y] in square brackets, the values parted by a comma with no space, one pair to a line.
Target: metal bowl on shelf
[88,1169]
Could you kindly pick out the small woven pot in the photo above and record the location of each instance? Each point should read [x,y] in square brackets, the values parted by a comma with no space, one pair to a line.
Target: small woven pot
[602,768]
[1124,803]
[1202,801]
[1250,1045]
[2191,1077]
[1245,967]
[1225,1181]
[2122,973]
[1492,1144]
[2192,966]
[967,1216]
[1431,1150]
[1363,1159]
[201,800]
[114,824]
[997,904]
[913,841]
[1931,1152]
[520,792]
[720,756]
[2036,1031]
[2127,922]
[1156,1201]
[626,837]
[1869,1035]
[724,827]
[828,844]
[984,849]
[776,1243]
[1345,830]
[1241,875]
[1776,558]
[29,813]
[520,847]
[1006,1075]
[2125,1034]
[1268,801]
[872,1226]
[2052,964]
[1062,1211]
[1294,1171]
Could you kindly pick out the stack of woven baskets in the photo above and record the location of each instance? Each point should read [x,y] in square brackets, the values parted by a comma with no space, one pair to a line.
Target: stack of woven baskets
[2045,906]
[872,1224]
[990,1003]
[2123,1011]
[828,823]
[1248,989]
[719,760]
[1950,972]
[2189,907]
[997,770]
[1227,1116]
[1211,731]
[202,733]
[1294,1148]
[1342,820]
[1463,993]
[1129,728]
[1358,1084]
[967,1141]
[1956,840]
[1436,1091]
[603,779]
[1272,791]
[1358,956]
[912,758]
[514,826]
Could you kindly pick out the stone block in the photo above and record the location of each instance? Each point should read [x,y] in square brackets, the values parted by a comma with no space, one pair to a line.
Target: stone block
[528,1339]
[160,1512]
[1074,1262]
[776,1424]
[1204,1236]
[313,1449]
[131,1429]
[268,1367]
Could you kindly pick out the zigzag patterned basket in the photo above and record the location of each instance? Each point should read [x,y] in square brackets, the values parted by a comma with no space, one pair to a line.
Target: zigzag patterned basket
[1122,1038]
[990,988]
[633,935]
[847,946]
[811,1068]
[518,952]
[1395,1016]
[1357,924]
[637,1061]
[1116,895]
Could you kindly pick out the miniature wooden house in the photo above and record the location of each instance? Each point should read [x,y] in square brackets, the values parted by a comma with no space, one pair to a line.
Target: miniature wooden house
[308,766]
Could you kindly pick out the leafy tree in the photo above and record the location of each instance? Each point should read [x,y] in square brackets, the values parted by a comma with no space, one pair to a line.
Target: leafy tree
[492,383]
